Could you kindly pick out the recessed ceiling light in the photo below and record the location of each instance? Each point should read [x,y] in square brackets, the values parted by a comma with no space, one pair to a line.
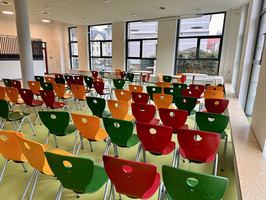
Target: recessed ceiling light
[7,12]
[5,3]
[46,20]
[107,1]
[134,15]
[55,4]
[42,12]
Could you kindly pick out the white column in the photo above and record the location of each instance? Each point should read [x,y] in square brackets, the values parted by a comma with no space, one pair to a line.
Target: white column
[118,45]
[82,34]
[24,40]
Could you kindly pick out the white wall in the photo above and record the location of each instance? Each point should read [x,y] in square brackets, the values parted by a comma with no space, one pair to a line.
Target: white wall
[118,45]
[82,33]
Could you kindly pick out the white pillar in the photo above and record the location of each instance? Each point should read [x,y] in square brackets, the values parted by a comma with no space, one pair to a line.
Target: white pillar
[24,40]
[118,45]
[82,34]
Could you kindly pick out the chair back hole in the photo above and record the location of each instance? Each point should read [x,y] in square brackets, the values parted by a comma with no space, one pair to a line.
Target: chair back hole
[172,114]
[197,138]
[3,137]
[33,83]
[53,116]
[142,109]
[197,87]
[67,164]
[116,105]
[163,84]
[153,131]
[211,119]
[216,103]
[135,88]
[171,90]
[94,101]
[84,120]
[24,92]
[127,169]
[214,88]
[162,97]
[189,92]
[153,89]
[185,100]
[122,93]
[139,96]
[116,124]
[192,182]
[27,145]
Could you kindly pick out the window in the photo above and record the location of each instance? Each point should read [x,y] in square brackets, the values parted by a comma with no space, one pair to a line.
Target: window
[199,44]
[100,47]
[141,46]
[73,48]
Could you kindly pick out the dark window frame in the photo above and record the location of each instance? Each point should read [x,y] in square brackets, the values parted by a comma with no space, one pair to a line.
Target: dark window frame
[70,47]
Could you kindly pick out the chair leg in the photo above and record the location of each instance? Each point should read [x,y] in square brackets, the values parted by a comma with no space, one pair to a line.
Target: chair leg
[115,150]
[107,148]
[75,142]
[3,124]
[177,158]
[25,192]
[56,144]
[79,146]
[37,116]
[27,107]
[31,126]
[174,157]
[112,192]
[24,167]
[144,156]
[48,135]
[34,185]
[14,126]
[4,169]
[91,146]
[106,190]
[22,107]
[59,193]
[224,154]
[215,165]
[138,152]
[160,191]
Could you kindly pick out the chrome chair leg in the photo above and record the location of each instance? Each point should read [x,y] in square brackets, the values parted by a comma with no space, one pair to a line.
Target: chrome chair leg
[224,154]
[75,142]
[59,193]
[48,135]
[26,190]
[91,146]
[215,165]
[4,169]
[139,152]
[34,185]
[24,167]
[106,190]
[56,144]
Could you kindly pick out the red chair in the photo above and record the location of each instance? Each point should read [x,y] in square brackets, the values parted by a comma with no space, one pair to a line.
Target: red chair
[191,93]
[16,84]
[197,86]
[79,80]
[59,76]
[144,113]
[155,139]
[217,106]
[134,179]
[140,97]
[28,98]
[49,99]
[123,74]
[173,118]
[99,88]
[94,74]
[198,146]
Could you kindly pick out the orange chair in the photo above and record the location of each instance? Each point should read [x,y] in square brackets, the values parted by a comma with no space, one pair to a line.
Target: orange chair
[123,95]
[211,87]
[89,128]
[163,100]
[13,93]
[213,94]
[60,90]
[118,73]
[34,86]
[182,79]
[3,94]
[135,88]
[34,153]
[119,110]
[49,79]
[160,76]
[79,93]
[10,149]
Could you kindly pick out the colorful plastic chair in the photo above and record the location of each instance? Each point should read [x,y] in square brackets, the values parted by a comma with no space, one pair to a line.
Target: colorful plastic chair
[163,85]
[135,88]
[217,106]
[119,110]
[123,74]
[39,79]
[153,89]
[197,86]
[167,79]
[16,84]
[163,101]
[191,93]
[139,97]
[60,91]
[47,86]
[97,107]
[123,95]
[79,79]
[211,87]
[99,88]
[118,73]
[79,95]
[49,99]
[13,95]
[68,77]
[182,78]
[213,94]
[89,82]
[134,179]
[60,81]
[130,77]
[160,77]
[7,82]
[82,177]
[144,113]
[35,87]
[119,83]
[59,76]
[175,92]
[94,74]
[98,80]
[187,185]
[180,86]
[49,79]
[186,103]
[173,118]
[3,94]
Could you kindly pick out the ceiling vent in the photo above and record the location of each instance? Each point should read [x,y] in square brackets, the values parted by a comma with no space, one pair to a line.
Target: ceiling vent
[5,3]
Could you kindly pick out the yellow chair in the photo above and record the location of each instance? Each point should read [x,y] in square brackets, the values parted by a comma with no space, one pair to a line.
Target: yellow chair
[212,87]
[213,94]
[135,88]
[119,110]
[163,100]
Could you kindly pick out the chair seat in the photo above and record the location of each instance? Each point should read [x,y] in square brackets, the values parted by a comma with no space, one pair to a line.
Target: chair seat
[20,101]
[37,102]
[104,93]
[87,91]
[208,160]
[70,129]
[58,105]
[154,121]
[16,116]
[106,113]
[166,151]
[170,107]
[67,96]
[133,140]
[185,126]
[101,134]
[153,188]
[7,98]
[129,117]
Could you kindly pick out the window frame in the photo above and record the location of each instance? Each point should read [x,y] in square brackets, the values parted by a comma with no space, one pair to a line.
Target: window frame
[70,47]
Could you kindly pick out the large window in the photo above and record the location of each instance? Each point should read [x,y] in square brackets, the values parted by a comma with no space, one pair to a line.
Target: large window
[142,46]
[73,48]
[199,43]
[100,47]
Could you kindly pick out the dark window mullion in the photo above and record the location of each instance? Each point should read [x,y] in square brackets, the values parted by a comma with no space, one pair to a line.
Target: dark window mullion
[197,48]
[140,46]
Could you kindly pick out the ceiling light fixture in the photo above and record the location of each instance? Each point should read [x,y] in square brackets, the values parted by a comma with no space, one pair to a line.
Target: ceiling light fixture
[46,20]
[5,3]
[107,1]
[7,12]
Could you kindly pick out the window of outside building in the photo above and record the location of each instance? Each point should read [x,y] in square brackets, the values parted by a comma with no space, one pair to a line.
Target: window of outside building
[199,44]
[141,46]
[100,47]
[73,48]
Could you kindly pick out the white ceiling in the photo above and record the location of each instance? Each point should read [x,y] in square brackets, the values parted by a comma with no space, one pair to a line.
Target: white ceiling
[87,12]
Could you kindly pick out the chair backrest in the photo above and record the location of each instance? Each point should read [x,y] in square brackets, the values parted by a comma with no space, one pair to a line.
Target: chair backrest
[154,138]
[49,79]
[163,84]
[180,85]
[98,86]
[60,80]
[48,97]
[175,92]
[162,100]
[79,79]
[146,77]
[167,79]
[217,106]
[118,109]
[68,77]
[153,89]
[47,86]
[187,185]
[211,122]
[123,74]
[98,79]
[139,97]
[212,87]
[120,131]
[72,82]
[160,76]
[197,86]
[7,82]
[59,76]
[143,112]
[89,81]
[34,153]
[75,173]
[27,96]
[16,84]
[198,145]
[173,118]
[9,146]
[4,109]
[59,89]
[119,83]
[117,72]
[191,93]
[185,103]
[2,92]
[213,94]
[94,74]
[130,77]
[97,105]
[123,95]
[35,86]
[135,88]
[131,178]
[39,78]
[78,91]
[182,79]
[12,93]
[55,121]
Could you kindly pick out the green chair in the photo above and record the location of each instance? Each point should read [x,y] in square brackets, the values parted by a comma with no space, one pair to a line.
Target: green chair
[120,133]
[167,79]
[39,78]
[97,106]
[186,103]
[89,82]
[153,89]
[130,77]
[215,123]
[119,83]
[13,117]
[175,92]
[180,85]
[7,82]
[77,174]
[47,86]
[187,185]
[57,123]
[60,80]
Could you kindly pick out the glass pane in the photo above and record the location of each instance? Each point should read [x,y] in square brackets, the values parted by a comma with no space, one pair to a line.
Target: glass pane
[204,25]
[107,49]
[95,49]
[103,32]
[198,66]
[101,64]
[73,34]
[209,48]
[134,49]
[141,64]
[74,49]
[187,48]
[75,62]
[137,30]
[149,48]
